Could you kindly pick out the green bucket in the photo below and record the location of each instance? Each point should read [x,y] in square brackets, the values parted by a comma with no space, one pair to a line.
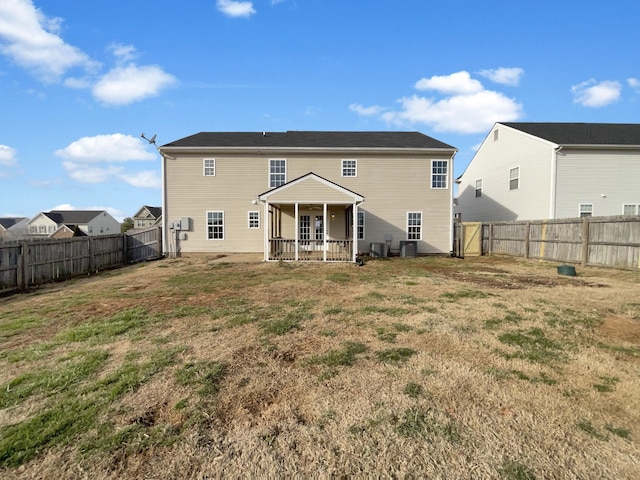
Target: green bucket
[567,270]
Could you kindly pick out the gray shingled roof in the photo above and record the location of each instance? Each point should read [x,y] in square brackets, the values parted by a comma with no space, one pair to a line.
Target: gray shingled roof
[582,133]
[10,221]
[74,217]
[155,211]
[301,139]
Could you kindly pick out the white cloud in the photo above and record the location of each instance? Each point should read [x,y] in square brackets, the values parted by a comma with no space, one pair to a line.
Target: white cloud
[106,148]
[8,156]
[634,83]
[124,53]
[596,94]
[465,106]
[233,8]
[146,179]
[31,39]
[100,159]
[503,75]
[456,83]
[125,85]
[366,111]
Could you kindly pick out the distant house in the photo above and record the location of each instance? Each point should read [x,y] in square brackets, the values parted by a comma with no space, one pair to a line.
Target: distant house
[301,195]
[147,217]
[527,171]
[12,227]
[61,223]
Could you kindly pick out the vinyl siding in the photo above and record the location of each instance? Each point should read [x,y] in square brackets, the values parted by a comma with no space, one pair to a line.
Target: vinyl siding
[390,184]
[605,178]
[492,163]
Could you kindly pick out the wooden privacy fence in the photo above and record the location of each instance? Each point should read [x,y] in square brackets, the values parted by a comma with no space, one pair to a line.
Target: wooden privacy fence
[26,263]
[596,241]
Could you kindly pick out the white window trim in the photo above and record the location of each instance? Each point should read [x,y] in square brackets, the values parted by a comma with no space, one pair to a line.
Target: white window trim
[285,171]
[580,210]
[204,167]
[478,188]
[249,219]
[207,225]
[355,167]
[364,223]
[636,207]
[446,175]
[516,178]
[421,224]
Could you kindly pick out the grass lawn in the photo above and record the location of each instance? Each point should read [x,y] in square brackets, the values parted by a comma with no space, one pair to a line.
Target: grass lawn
[431,367]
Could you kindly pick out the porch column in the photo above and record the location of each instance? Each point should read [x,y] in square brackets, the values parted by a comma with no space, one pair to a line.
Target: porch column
[324,232]
[354,229]
[267,224]
[297,230]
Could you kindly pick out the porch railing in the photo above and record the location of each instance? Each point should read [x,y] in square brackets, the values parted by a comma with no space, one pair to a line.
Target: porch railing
[311,250]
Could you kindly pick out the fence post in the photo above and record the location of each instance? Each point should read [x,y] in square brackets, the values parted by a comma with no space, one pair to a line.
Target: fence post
[585,241]
[21,267]
[490,246]
[527,239]
[125,249]
[92,262]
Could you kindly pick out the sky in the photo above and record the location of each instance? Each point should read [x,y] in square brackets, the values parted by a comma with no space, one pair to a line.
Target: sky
[80,81]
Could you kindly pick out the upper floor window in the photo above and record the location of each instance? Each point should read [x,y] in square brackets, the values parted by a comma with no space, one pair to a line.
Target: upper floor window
[414,225]
[514,178]
[586,209]
[209,167]
[254,219]
[478,188]
[360,225]
[215,225]
[277,172]
[630,209]
[439,173]
[349,168]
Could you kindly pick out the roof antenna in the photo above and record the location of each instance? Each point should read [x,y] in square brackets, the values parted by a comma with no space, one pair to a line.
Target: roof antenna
[152,140]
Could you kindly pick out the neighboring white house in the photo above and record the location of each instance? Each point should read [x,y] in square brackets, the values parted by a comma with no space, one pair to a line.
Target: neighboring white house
[308,195]
[87,222]
[147,217]
[527,171]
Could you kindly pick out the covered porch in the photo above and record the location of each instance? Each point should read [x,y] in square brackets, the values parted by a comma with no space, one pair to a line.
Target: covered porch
[320,226]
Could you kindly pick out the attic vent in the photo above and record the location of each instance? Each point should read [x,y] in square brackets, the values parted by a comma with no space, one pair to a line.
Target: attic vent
[495,134]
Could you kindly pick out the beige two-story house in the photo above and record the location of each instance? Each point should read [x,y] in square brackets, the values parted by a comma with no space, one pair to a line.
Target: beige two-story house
[299,195]
[69,223]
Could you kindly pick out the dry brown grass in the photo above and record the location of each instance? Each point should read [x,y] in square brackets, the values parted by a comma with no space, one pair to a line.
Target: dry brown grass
[511,370]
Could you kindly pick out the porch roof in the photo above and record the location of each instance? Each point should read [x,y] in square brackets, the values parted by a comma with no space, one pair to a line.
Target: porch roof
[316,191]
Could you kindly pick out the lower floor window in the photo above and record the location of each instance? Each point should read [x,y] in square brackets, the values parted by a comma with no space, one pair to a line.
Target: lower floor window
[630,209]
[586,209]
[215,225]
[254,219]
[360,225]
[414,225]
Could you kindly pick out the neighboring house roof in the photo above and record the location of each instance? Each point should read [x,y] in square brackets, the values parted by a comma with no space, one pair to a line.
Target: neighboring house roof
[9,222]
[154,211]
[310,139]
[73,217]
[627,134]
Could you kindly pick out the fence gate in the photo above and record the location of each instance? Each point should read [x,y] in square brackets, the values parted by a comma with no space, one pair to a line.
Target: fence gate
[472,239]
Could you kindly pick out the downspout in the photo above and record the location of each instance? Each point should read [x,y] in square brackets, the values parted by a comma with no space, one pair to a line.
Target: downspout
[554,176]
[165,217]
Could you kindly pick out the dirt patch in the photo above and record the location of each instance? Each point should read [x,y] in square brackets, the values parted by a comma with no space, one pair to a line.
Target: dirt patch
[620,328]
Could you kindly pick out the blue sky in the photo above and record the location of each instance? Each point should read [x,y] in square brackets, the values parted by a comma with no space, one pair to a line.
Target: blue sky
[81,80]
